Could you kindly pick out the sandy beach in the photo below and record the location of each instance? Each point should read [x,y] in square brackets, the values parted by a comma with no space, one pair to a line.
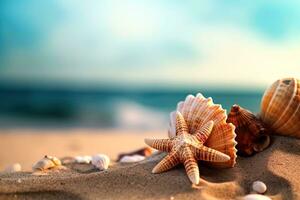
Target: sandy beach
[278,167]
[26,146]
[149,100]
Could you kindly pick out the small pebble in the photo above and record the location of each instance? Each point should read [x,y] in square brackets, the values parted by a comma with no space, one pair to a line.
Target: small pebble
[259,187]
[13,168]
[256,197]
[172,198]
[19,181]
[131,159]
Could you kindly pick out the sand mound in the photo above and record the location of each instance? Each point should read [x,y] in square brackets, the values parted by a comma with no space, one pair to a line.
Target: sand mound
[278,167]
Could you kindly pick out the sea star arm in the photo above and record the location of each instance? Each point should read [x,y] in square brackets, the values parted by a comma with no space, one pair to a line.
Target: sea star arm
[204,132]
[191,166]
[181,126]
[166,163]
[160,144]
[209,154]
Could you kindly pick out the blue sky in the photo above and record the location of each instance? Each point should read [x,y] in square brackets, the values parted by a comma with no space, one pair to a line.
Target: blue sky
[149,43]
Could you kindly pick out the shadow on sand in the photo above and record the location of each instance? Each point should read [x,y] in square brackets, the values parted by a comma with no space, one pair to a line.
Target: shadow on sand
[259,167]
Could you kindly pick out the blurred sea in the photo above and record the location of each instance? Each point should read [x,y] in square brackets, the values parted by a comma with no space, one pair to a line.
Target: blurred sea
[104,108]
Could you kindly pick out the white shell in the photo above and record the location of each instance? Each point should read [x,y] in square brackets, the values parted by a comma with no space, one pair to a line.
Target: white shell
[197,111]
[131,159]
[101,161]
[83,159]
[47,162]
[256,197]
[13,168]
[259,187]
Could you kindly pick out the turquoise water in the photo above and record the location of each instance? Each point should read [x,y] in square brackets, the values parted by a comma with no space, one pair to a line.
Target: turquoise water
[105,108]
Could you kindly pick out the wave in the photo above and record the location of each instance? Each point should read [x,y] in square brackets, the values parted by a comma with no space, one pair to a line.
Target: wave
[131,115]
[102,109]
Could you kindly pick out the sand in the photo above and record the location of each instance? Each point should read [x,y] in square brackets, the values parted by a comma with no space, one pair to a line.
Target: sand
[26,146]
[278,167]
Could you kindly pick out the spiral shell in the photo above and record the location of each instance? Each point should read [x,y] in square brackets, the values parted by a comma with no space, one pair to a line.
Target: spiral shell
[48,162]
[252,136]
[101,161]
[198,111]
[280,107]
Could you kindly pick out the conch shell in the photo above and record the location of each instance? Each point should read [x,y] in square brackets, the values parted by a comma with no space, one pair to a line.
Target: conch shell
[280,107]
[198,111]
[48,162]
[252,136]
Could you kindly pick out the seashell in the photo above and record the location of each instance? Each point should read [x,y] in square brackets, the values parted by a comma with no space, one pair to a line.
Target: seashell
[13,168]
[101,161]
[132,158]
[146,151]
[280,107]
[256,197]
[259,187]
[198,111]
[252,136]
[197,131]
[83,159]
[47,162]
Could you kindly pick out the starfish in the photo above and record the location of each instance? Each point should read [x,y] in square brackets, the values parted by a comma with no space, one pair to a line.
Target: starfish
[186,148]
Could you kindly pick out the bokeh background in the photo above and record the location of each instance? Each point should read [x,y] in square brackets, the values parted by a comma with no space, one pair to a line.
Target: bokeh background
[125,64]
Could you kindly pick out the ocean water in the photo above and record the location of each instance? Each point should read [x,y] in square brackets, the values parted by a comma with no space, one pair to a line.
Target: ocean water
[138,109]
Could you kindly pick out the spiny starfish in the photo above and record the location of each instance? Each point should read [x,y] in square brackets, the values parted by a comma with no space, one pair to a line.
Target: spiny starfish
[186,148]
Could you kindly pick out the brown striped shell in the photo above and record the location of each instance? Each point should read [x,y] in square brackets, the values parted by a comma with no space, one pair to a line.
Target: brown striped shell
[280,107]
[198,111]
[252,135]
